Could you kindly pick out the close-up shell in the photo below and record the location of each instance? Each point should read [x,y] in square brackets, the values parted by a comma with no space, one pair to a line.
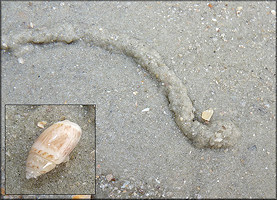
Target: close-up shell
[52,147]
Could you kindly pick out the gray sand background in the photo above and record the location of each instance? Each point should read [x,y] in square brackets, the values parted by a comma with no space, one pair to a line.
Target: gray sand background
[226,55]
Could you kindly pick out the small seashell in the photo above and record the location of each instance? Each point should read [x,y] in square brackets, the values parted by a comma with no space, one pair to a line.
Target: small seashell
[52,147]
[146,110]
[207,114]
[81,197]
[41,124]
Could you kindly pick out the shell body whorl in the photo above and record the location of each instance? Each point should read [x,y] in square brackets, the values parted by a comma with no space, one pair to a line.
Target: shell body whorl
[52,147]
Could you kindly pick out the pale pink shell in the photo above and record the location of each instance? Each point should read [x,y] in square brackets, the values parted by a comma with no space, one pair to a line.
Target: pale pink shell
[52,147]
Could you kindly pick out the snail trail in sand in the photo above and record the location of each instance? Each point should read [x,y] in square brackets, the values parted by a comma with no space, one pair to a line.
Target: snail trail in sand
[218,134]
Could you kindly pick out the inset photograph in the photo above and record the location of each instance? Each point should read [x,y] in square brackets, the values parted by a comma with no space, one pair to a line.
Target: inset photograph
[50,149]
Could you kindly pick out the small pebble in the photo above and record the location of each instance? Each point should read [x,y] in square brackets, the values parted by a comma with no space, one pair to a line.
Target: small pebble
[31,25]
[145,110]
[62,118]
[239,8]
[20,60]
[125,184]
[8,154]
[218,139]
[109,177]
[4,45]
[252,148]
[273,12]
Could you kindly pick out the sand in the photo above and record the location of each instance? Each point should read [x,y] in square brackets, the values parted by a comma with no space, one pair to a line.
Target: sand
[222,52]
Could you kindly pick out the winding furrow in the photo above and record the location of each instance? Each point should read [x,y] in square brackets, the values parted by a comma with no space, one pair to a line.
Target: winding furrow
[218,134]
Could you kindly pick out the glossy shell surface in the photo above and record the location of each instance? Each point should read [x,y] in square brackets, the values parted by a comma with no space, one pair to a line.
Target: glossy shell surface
[52,147]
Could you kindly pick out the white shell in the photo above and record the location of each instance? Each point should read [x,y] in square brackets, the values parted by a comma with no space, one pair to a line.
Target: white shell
[52,147]
[207,114]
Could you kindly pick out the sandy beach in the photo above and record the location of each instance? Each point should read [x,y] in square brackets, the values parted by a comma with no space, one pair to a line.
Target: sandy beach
[137,62]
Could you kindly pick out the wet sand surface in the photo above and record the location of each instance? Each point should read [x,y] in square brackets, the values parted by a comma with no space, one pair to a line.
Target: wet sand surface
[223,52]
[22,129]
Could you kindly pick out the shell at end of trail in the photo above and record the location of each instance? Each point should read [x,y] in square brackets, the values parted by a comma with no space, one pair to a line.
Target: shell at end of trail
[207,114]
